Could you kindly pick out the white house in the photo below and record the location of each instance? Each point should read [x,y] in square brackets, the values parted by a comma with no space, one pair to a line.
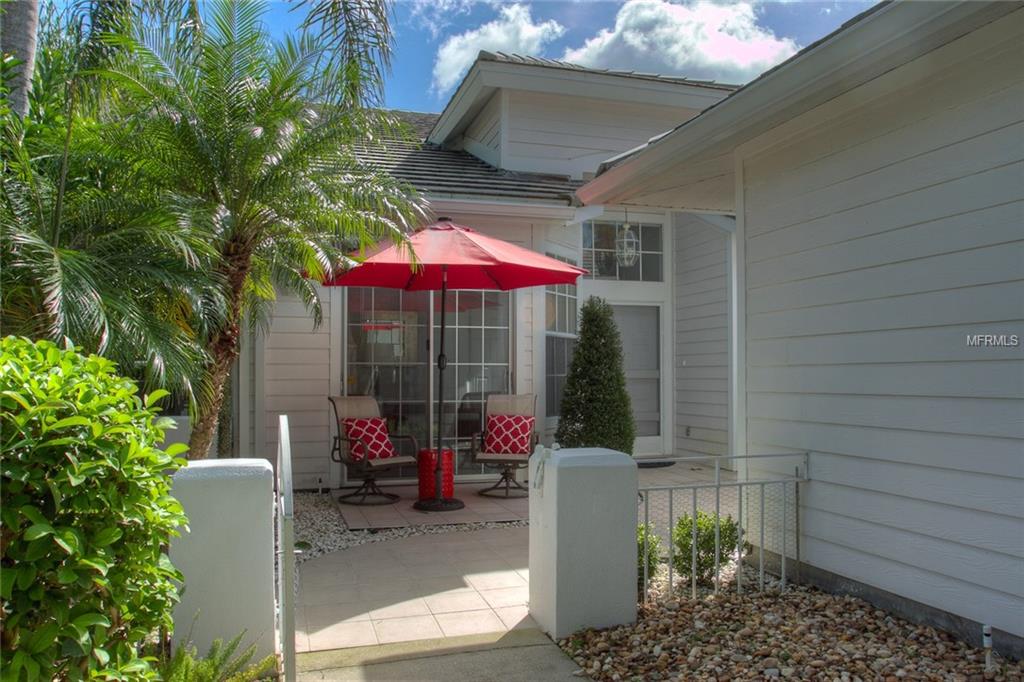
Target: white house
[876,296]
[832,261]
[505,157]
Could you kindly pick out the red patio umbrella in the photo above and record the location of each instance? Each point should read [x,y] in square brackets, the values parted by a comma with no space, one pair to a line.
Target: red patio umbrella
[445,256]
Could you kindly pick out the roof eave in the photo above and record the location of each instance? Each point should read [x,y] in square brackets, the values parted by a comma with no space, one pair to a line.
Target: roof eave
[891,34]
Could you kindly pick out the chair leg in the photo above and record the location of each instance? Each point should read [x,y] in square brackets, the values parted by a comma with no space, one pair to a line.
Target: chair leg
[507,486]
[369,488]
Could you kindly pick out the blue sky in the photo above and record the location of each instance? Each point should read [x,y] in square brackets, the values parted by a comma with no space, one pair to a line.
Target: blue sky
[436,40]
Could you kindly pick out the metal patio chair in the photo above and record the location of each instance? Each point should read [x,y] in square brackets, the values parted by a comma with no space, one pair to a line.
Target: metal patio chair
[364,407]
[507,486]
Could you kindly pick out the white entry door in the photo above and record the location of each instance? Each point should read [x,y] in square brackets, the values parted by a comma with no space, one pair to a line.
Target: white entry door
[640,329]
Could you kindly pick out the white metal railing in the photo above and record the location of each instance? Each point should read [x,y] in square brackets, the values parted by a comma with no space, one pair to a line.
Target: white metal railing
[707,496]
[285,514]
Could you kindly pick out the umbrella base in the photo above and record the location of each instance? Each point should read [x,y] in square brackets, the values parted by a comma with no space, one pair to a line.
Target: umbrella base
[435,505]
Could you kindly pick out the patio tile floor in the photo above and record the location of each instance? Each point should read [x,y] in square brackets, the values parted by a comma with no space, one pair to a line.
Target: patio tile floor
[401,514]
[446,585]
[421,587]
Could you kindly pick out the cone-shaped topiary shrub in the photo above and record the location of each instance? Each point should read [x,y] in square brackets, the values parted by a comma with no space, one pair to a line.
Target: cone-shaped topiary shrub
[596,411]
[87,514]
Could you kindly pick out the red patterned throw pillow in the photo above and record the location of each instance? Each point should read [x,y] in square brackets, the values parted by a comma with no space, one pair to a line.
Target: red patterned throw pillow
[508,434]
[372,432]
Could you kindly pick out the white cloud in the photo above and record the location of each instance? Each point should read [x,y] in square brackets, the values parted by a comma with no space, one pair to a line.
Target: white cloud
[703,40]
[512,31]
[438,15]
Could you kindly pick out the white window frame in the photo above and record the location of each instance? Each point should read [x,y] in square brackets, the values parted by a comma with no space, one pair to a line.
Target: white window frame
[574,258]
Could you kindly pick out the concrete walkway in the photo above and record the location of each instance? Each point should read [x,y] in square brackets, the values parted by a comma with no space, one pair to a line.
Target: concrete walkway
[516,656]
[415,588]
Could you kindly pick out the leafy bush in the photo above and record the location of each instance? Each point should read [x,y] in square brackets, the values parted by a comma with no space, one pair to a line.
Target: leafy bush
[682,537]
[653,554]
[596,410]
[219,665]
[87,513]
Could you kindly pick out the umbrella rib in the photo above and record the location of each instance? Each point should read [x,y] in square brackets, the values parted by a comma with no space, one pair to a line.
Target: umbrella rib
[487,271]
[408,282]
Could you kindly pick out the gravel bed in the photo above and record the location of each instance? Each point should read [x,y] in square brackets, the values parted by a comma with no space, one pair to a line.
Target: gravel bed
[802,634]
[320,528]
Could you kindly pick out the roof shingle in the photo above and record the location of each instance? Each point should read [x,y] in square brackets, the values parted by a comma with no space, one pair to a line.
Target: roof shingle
[449,173]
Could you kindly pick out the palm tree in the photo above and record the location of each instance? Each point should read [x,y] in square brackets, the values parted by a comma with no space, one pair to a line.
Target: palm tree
[87,252]
[254,137]
[19,21]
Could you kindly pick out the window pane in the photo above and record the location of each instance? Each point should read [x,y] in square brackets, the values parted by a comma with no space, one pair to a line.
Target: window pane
[604,266]
[588,235]
[361,380]
[560,322]
[651,263]
[604,236]
[471,311]
[469,417]
[557,365]
[471,347]
[360,304]
[553,401]
[471,384]
[496,308]
[387,299]
[551,302]
[630,273]
[496,345]
[650,237]
[495,379]
[416,302]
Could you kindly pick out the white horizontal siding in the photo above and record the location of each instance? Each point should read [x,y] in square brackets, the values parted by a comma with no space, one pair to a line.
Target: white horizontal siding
[701,348]
[572,135]
[482,137]
[297,372]
[882,229]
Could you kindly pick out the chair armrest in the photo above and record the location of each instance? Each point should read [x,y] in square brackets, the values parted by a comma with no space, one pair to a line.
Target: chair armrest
[476,444]
[346,459]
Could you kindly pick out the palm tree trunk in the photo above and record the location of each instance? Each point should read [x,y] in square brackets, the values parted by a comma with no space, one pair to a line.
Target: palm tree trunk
[225,422]
[217,374]
[236,256]
[18,37]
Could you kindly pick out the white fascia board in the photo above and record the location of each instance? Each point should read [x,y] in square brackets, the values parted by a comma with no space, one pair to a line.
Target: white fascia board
[585,213]
[470,96]
[501,208]
[892,35]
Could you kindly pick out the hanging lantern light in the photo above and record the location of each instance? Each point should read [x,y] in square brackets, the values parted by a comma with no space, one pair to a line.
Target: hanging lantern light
[627,245]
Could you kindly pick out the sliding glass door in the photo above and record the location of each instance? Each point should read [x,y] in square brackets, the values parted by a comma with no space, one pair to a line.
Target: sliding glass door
[388,357]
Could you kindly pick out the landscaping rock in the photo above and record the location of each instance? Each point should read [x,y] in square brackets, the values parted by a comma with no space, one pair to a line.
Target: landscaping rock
[799,634]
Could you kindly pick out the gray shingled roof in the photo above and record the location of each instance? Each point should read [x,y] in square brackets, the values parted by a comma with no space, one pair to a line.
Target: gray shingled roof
[506,58]
[421,122]
[449,173]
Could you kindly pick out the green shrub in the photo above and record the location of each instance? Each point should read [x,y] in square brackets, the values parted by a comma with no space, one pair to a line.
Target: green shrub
[653,554]
[86,515]
[682,537]
[596,410]
[219,665]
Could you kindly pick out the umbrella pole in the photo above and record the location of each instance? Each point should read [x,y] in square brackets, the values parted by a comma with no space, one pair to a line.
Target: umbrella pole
[440,503]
